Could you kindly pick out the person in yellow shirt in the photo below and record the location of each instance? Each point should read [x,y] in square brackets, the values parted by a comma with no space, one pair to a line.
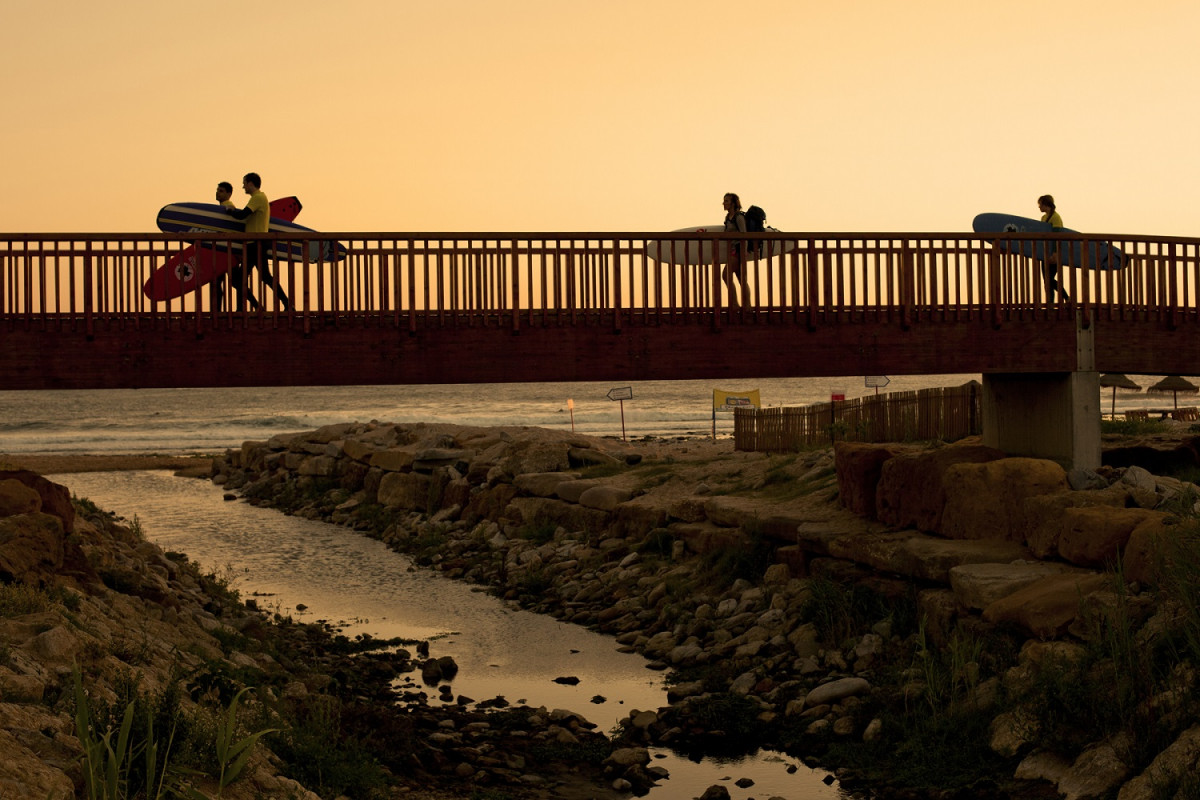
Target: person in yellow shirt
[257,215]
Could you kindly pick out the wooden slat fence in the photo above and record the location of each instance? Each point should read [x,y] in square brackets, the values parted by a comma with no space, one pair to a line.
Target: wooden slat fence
[947,414]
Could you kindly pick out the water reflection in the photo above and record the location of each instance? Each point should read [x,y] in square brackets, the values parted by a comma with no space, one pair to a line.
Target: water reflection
[358,583]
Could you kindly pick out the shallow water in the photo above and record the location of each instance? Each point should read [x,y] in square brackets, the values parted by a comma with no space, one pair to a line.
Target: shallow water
[362,586]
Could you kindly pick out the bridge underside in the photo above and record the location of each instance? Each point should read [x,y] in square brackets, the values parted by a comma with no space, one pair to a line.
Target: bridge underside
[160,355]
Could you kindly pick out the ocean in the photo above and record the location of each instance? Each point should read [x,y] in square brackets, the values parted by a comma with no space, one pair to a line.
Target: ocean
[188,421]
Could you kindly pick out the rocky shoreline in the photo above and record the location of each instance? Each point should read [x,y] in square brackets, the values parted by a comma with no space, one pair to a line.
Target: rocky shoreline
[926,621]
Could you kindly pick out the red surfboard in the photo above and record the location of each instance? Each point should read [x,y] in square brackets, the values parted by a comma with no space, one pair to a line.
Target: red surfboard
[195,266]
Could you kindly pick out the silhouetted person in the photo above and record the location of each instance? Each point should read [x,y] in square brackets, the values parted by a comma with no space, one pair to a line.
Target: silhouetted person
[257,215]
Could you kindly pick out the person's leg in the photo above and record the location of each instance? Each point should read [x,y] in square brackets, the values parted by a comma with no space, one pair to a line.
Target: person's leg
[731,277]
[216,294]
[267,278]
[243,276]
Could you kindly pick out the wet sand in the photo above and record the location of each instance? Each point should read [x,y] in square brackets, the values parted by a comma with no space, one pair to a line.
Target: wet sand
[51,464]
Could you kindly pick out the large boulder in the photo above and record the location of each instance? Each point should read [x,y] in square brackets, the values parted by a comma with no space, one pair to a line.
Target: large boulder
[1047,607]
[1149,543]
[977,586]
[405,490]
[931,558]
[17,498]
[985,500]
[31,548]
[56,498]
[1043,515]
[859,468]
[911,492]
[1096,537]
[535,456]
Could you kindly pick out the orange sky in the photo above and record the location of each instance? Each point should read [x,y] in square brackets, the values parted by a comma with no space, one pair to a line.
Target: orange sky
[623,115]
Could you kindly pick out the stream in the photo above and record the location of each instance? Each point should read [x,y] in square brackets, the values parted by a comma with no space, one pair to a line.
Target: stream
[319,571]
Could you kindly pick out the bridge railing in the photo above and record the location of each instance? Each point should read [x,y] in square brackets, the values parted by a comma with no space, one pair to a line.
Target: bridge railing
[94,282]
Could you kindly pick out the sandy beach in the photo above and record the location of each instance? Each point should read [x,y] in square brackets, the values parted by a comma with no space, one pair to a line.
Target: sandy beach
[52,464]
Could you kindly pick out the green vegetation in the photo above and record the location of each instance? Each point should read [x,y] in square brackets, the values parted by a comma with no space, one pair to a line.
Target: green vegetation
[147,747]
[1125,427]
[747,559]
[841,613]
[539,530]
[17,599]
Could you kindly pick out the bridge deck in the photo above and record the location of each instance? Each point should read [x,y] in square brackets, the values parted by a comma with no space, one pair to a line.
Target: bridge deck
[481,308]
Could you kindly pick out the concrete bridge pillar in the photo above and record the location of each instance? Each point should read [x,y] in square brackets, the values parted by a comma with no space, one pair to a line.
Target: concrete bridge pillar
[1053,415]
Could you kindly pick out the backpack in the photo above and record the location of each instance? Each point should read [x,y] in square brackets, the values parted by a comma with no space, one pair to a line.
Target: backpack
[756,222]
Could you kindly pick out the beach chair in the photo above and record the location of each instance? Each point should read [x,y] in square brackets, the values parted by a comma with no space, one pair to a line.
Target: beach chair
[1138,415]
[1186,414]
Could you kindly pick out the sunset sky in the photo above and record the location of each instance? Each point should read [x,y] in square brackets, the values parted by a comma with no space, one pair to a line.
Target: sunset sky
[623,115]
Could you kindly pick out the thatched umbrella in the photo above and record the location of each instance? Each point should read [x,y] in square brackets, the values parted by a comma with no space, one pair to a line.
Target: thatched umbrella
[1117,381]
[1173,385]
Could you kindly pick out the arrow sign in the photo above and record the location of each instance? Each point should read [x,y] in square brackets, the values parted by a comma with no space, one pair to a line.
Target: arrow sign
[877,381]
[621,394]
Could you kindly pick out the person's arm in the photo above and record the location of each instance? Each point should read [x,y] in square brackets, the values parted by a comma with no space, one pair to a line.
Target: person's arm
[740,218]
[238,213]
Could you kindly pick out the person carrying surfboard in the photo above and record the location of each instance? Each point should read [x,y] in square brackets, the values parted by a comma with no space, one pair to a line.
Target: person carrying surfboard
[735,221]
[217,287]
[1050,266]
[257,216]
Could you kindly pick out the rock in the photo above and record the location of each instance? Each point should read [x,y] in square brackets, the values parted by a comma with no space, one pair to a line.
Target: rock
[1042,766]
[1045,608]
[1095,537]
[571,491]
[407,491]
[590,457]
[1175,762]
[931,558]
[715,792]
[17,498]
[1138,479]
[1147,543]
[977,586]
[534,456]
[1044,515]
[55,498]
[911,493]
[1098,770]
[743,683]
[543,484]
[777,575]
[859,469]
[604,498]
[625,757]
[836,690]
[24,775]
[31,548]
[20,688]
[1085,480]
[984,501]
[433,458]
[392,460]
[1008,734]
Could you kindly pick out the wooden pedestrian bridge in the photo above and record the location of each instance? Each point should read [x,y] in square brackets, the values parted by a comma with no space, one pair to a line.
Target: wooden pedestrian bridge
[411,308]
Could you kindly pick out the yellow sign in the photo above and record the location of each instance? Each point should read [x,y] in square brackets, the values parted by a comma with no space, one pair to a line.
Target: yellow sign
[728,401]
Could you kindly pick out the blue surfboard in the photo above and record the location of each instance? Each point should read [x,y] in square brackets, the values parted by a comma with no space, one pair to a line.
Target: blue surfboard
[1101,255]
[212,218]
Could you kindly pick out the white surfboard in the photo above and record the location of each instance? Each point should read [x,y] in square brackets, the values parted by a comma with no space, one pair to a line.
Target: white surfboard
[694,253]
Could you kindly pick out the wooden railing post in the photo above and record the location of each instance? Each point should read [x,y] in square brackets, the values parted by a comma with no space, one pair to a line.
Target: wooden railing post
[907,285]
[89,322]
[516,286]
